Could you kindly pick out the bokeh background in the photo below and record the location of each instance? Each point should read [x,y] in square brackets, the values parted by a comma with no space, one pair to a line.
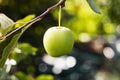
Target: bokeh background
[96,51]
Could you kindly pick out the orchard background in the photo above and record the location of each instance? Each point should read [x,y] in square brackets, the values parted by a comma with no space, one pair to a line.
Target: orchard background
[96,51]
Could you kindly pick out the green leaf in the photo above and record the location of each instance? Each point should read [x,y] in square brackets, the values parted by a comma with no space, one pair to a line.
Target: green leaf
[5,22]
[93,6]
[9,44]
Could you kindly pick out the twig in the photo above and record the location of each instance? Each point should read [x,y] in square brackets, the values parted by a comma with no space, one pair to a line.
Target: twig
[60,3]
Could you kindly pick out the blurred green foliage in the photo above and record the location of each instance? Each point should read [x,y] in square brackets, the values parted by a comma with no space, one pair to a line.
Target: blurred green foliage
[94,34]
[22,51]
[45,77]
[114,11]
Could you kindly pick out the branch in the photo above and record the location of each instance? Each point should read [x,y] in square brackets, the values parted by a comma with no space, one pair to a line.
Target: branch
[60,3]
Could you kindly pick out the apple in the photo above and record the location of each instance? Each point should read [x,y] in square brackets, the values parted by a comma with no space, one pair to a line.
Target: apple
[58,41]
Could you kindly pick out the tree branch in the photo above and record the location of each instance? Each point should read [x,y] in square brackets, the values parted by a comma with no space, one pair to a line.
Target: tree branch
[60,3]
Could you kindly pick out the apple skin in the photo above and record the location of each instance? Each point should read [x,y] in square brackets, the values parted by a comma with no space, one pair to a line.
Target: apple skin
[58,41]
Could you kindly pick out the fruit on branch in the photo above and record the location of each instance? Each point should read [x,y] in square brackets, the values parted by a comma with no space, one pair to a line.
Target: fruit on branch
[58,41]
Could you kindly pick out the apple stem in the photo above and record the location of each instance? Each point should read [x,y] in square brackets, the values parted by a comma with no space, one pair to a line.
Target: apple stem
[59,17]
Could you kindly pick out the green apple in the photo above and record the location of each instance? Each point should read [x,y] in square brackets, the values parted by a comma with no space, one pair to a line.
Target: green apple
[58,41]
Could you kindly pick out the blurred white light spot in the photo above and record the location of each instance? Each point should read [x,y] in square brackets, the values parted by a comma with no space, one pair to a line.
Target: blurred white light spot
[56,70]
[56,62]
[60,63]
[49,60]
[108,52]
[12,62]
[17,50]
[118,45]
[70,61]
[7,61]
[84,37]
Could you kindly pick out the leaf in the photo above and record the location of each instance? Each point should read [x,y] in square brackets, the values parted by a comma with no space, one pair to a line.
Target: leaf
[93,6]
[3,72]
[9,44]
[5,22]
